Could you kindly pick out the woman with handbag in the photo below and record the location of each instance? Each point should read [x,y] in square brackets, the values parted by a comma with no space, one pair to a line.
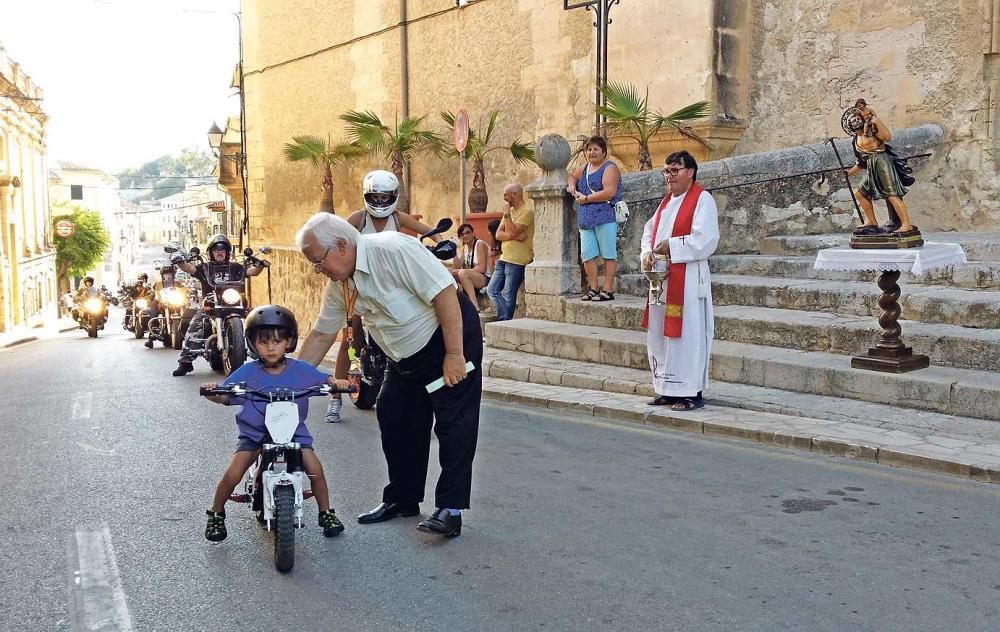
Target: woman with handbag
[597,188]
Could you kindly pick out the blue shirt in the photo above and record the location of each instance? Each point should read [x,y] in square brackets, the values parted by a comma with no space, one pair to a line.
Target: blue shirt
[297,375]
[596,213]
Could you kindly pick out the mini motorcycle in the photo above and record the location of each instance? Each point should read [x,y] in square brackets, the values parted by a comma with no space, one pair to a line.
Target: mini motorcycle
[275,483]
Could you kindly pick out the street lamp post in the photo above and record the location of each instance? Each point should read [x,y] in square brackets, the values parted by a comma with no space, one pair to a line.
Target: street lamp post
[602,18]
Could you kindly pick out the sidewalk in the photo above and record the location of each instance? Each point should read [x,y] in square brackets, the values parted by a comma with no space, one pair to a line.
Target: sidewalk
[946,444]
[21,334]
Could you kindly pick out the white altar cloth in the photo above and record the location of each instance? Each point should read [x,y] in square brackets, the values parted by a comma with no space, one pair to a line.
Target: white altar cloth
[917,261]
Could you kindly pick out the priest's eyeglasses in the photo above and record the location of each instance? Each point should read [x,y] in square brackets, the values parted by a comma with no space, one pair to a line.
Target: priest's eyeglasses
[671,171]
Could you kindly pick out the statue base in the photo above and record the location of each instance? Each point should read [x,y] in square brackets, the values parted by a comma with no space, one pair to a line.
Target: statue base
[887,241]
[895,360]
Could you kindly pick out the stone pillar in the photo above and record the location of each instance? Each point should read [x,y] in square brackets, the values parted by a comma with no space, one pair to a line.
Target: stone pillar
[555,270]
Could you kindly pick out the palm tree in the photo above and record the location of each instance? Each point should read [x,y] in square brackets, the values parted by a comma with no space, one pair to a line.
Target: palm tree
[324,155]
[398,144]
[629,115]
[477,148]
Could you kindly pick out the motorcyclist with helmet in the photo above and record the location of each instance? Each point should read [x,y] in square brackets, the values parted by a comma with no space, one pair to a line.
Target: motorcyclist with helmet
[155,304]
[380,189]
[85,291]
[218,270]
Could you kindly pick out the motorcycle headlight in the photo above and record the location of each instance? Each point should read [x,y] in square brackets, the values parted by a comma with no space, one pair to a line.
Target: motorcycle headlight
[94,305]
[173,298]
[141,303]
[231,296]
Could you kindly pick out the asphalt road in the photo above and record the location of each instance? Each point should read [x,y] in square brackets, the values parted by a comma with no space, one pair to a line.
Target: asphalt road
[577,524]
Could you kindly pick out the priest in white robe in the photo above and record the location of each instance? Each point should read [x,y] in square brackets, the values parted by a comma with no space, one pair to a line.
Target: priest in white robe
[685,229]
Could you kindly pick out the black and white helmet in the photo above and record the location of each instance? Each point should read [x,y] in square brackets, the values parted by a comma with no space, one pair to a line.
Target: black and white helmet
[381,191]
[271,316]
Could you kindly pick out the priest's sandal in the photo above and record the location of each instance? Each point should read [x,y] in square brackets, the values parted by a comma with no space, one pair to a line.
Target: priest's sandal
[687,403]
[604,295]
[591,295]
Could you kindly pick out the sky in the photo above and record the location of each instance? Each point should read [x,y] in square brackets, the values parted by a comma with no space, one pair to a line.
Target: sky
[125,81]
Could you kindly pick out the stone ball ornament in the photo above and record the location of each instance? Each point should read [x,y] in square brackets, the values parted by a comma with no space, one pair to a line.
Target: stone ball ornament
[552,152]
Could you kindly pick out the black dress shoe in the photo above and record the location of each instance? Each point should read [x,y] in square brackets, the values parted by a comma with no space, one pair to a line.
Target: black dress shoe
[388,511]
[442,523]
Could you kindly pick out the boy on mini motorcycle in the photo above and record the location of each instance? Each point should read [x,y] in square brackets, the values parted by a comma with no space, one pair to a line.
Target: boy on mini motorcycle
[272,332]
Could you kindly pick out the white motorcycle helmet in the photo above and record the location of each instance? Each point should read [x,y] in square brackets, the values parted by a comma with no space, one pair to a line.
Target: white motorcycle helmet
[381,192]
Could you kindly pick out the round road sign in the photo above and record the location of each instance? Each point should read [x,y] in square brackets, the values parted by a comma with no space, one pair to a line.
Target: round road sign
[65,228]
[460,131]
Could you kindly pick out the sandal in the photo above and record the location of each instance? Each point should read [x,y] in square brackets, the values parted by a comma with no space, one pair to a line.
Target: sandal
[687,403]
[604,295]
[215,530]
[591,295]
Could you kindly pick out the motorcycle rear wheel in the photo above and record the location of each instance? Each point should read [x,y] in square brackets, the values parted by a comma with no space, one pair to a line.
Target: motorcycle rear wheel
[284,528]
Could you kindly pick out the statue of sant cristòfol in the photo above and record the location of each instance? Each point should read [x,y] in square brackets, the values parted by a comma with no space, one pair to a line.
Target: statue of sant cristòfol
[886,177]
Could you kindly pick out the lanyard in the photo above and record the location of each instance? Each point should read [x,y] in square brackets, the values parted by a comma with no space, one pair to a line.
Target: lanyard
[350,297]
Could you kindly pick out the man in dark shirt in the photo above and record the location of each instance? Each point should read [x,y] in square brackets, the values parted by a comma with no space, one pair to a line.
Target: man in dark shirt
[218,270]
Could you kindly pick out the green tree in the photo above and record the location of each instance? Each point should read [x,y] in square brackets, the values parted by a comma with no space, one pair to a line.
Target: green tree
[629,115]
[323,155]
[82,250]
[480,144]
[397,144]
[166,175]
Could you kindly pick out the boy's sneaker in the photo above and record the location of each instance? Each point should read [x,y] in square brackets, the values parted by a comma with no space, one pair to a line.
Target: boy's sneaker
[334,408]
[328,520]
[215,531]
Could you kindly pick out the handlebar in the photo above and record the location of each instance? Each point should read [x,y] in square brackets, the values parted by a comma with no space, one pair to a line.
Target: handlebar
[280,394]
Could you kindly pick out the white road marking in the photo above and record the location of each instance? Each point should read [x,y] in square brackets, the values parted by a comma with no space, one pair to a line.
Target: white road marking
[86,446]
[82,404]
[99,601]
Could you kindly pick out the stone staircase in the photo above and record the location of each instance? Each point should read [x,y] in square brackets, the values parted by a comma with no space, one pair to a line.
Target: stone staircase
[785,334]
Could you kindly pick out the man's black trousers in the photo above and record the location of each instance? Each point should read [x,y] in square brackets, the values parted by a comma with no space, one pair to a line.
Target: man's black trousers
[406,412]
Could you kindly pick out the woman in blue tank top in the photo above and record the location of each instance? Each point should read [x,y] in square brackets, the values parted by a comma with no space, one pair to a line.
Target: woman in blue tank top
[597,187]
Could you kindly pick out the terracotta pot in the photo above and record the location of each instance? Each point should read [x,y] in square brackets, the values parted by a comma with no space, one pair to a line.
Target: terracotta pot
[478,200]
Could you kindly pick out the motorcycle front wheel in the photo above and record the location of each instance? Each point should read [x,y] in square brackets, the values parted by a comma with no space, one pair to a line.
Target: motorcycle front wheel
[92,329]
[236,353]
[177,334]
[139,327]
[284,528]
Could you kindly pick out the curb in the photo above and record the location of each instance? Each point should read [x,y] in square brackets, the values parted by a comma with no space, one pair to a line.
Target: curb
[18,341]
[704,422]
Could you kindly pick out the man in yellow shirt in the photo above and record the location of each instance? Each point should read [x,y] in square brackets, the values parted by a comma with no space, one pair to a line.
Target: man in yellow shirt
[516,232]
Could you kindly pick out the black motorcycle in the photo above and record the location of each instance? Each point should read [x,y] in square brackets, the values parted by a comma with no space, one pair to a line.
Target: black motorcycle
[170,313]
[136,299]
[368,370]
[226,306]
[91,310]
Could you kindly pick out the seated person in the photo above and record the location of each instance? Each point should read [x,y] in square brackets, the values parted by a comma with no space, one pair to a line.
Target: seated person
[472,267]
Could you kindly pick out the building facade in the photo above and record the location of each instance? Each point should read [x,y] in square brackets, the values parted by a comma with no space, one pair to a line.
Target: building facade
[28,294]
[778,73]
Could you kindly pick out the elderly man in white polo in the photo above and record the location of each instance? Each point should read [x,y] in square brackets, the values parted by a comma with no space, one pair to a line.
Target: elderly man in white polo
[430,332]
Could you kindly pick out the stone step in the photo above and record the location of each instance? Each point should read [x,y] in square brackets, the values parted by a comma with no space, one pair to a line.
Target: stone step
[917,448]
[977,275]
[948,390]
[924,303]
[945,345]
[545,370]
[978,246]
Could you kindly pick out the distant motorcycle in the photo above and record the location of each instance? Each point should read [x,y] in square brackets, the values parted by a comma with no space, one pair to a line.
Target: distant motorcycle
[275,484]
[171,311]
[92,311]
[225,346]
[135,299]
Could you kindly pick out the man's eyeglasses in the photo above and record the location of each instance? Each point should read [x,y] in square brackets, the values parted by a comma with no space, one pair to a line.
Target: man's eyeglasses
[672,171]
[318,265]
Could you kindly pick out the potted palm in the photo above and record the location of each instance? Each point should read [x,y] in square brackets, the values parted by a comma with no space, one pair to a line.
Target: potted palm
[397,144]
[628,114]
[323,155]
[478,147]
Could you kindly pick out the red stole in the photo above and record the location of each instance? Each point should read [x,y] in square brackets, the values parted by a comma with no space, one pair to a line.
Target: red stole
[674,309]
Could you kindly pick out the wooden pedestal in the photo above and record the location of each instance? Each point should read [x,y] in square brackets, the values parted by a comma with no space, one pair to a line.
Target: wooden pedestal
[890,354]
